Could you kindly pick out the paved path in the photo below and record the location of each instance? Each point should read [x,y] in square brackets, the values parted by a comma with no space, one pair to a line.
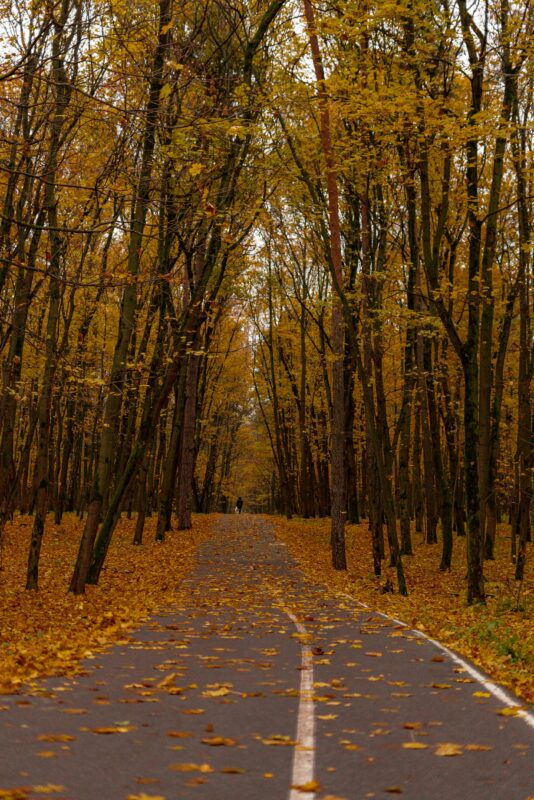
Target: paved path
[263,684]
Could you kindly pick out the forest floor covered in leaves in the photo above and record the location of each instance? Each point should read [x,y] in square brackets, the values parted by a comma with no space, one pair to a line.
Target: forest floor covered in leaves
[258,683]
[498,637]
[49,631]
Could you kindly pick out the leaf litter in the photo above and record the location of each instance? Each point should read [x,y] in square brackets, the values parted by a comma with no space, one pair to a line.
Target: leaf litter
[498,637]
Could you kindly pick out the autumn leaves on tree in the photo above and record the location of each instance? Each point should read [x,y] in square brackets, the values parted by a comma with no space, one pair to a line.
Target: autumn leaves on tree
[274,246]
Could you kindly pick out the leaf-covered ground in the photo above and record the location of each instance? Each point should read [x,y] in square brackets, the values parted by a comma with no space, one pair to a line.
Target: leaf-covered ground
[48,632]
[256,681]
[499,638]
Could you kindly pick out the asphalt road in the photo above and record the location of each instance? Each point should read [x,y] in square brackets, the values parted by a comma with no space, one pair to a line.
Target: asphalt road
[264,688]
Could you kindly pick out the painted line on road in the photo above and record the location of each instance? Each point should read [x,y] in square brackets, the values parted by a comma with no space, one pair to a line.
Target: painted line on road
[304,752]
[497,691]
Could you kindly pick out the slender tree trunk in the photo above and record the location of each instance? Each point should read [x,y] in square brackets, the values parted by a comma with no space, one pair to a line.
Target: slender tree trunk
[337,478]
[187,446]
[111,417]
[62,90]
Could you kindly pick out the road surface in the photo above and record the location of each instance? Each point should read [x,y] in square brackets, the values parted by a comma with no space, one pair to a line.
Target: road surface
[263,687]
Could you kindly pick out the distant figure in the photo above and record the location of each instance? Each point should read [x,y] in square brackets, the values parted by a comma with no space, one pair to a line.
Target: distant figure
[238,505]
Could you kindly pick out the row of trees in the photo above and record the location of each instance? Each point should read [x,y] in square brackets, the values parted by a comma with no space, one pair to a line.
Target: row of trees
[421,115]
[127,145]
[321,211]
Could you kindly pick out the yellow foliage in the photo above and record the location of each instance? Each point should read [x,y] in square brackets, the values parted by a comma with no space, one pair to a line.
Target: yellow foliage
[498,637]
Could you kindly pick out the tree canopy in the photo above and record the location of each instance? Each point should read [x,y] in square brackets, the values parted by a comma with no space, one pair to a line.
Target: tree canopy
[281,249]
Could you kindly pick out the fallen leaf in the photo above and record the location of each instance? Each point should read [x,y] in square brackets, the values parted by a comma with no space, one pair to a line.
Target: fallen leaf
[218,741]
[448,749]
[169,680]
[144,796]
[191,767]
[113,729]
[279,739]
[508,711]
[309,786]
[55,737]
[414,745]
[476,747]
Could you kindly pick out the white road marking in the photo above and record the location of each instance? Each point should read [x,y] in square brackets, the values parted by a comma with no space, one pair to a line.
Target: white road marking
[304,752]
[489,686]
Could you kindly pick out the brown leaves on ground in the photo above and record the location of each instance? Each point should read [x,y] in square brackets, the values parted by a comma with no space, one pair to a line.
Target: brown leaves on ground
[498,637]
[48,632]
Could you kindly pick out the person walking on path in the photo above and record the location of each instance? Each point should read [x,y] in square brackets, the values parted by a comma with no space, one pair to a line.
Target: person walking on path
[238,505]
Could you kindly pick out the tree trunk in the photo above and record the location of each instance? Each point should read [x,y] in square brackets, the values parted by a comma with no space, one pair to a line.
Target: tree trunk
[187,445]
[111,417]
[62,91]
[337,477]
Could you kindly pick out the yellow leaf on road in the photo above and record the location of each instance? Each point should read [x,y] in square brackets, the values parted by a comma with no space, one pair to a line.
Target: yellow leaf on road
[216,692]
[278,739]
[114,729]
[218,741]
[414,745]
[55,737]
[509,711]
[309,786]
[191,767]
[448,749]
[144,796]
